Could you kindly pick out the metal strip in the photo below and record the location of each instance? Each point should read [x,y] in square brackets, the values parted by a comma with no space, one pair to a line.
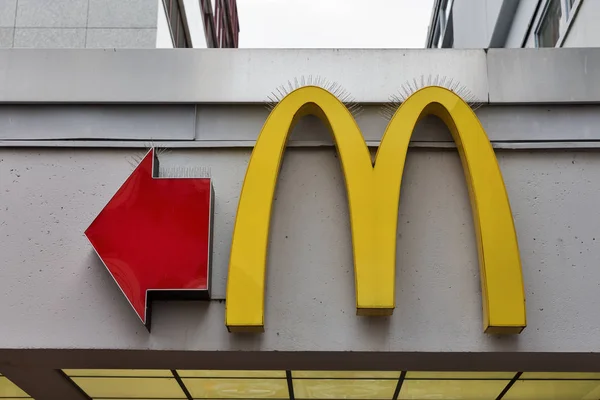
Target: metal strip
[182,385]
[300,360]
[399,385]
[290,383]
[509,385]
[197,144]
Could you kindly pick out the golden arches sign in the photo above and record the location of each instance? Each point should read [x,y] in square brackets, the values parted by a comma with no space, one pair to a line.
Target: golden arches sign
[373,196]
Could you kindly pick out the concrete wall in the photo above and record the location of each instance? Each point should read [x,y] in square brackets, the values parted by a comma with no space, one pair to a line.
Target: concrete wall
[60,308]
[471,30]
[581,31]
[483,23]
[520,24]
[584,30]
[51,277]
[78,23]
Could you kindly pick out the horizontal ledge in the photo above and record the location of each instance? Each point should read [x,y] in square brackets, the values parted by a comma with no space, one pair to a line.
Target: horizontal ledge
[302,360]
[200,144]
[498,76]
[225,75]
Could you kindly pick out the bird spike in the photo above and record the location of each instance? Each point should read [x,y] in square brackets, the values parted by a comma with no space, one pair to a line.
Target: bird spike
[411,86]
[332,87]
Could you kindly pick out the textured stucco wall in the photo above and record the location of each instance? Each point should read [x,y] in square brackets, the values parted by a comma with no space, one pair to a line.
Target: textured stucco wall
[56,294]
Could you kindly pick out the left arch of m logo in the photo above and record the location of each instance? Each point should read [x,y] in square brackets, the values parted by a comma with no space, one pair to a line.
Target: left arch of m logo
[373,196]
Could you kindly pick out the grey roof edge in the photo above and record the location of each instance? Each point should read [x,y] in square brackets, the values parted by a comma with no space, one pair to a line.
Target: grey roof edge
[248,76]
[544,76]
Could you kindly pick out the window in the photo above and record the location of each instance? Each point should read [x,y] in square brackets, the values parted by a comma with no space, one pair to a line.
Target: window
[570,5]
[176,23]
[440,34]
[549,30]
[436,38]
[447,7]
[335,385]
[553,25]
[227,25]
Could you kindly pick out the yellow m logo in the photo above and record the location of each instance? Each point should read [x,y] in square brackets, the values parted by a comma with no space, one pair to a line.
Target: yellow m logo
[373,195]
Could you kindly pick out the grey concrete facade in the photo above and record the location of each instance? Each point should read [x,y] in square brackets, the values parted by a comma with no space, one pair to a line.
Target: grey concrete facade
[67,136]
[511,23]
[78,23]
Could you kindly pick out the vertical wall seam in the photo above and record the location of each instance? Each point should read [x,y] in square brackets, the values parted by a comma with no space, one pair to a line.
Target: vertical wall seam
[487,75]
[15,24]
[87,23]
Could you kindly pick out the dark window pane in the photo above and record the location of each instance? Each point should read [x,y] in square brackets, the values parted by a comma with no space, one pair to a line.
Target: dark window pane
[181,42]
[550,28]
[174,16]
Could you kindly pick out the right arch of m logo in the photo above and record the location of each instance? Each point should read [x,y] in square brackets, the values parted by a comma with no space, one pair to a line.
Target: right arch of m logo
[373,196]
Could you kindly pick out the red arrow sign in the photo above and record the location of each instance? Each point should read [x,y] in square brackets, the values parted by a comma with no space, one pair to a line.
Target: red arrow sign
[154,237]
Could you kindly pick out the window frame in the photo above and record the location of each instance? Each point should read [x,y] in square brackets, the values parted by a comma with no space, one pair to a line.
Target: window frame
[568,14]
[176,14]
[444,13]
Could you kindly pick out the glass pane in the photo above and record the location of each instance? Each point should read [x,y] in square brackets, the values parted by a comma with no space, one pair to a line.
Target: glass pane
[225,388]
[118,372]
[9,389]
[130,387]
[461,389]
[458,375]
[554,390]
[344,388]
[347,374]
[215,373]
[448,9]
[550,28]
[174,15]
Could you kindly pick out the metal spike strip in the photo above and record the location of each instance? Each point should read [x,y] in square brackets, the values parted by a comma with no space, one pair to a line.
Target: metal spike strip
[280,93]
[132,162]
[185,172]
[410,87]
[406,92]
[333,87]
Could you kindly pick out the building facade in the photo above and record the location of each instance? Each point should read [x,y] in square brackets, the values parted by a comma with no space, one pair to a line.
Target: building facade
[513,24]
[118,24]
[76,127]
